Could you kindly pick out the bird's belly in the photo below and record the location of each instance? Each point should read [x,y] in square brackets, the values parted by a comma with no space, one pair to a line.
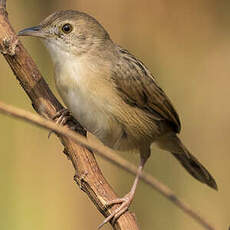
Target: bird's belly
[92,116]
[84,110]
[85,94]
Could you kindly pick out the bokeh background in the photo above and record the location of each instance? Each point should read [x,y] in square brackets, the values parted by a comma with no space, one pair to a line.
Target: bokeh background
[186,44]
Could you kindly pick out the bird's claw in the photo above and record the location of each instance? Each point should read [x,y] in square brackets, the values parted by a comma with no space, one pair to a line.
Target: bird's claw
[125,203]
[61,118]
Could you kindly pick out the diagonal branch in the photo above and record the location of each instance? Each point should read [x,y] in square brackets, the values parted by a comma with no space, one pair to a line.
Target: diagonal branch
[88,174]
[107,154]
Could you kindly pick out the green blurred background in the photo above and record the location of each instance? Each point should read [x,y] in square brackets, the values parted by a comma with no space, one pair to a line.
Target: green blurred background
[186,44]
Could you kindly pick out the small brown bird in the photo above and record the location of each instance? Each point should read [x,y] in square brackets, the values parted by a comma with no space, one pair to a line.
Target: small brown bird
[112,94]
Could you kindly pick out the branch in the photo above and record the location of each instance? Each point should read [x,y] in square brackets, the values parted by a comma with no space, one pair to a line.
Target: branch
[88,174]
[105,153]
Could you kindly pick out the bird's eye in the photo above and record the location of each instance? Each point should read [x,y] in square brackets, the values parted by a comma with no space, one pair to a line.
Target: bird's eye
[67,28]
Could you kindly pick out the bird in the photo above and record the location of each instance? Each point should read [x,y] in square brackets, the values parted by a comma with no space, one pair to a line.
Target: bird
[112,94]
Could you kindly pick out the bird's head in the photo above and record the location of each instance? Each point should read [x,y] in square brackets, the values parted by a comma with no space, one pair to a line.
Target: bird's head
[70,31]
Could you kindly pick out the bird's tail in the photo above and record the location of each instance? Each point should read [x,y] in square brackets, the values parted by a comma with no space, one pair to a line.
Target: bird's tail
[173,144]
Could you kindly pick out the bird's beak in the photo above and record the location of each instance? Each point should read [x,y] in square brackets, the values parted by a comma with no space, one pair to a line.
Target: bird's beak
[35,31]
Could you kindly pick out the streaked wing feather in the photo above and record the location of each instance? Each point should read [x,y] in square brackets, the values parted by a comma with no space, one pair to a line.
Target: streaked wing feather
[137,87]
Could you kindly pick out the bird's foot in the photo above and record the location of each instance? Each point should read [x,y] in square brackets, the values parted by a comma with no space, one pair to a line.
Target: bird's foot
[61,118]
[124,202]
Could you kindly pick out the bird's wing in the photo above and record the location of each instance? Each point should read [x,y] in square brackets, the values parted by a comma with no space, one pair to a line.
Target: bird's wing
[137,87]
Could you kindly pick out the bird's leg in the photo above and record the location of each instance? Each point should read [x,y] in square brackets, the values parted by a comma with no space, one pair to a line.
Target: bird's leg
[127,199]
[61,118]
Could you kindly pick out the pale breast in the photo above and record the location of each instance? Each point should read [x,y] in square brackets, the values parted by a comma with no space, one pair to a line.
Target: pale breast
[87,96]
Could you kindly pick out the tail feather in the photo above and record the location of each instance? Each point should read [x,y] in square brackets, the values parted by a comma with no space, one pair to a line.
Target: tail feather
[196,169]
[173,144]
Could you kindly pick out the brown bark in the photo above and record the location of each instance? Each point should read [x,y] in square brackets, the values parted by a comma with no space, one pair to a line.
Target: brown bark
[88,175]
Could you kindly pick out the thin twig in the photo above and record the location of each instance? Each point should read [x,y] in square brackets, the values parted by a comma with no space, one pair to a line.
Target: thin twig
[107,154]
